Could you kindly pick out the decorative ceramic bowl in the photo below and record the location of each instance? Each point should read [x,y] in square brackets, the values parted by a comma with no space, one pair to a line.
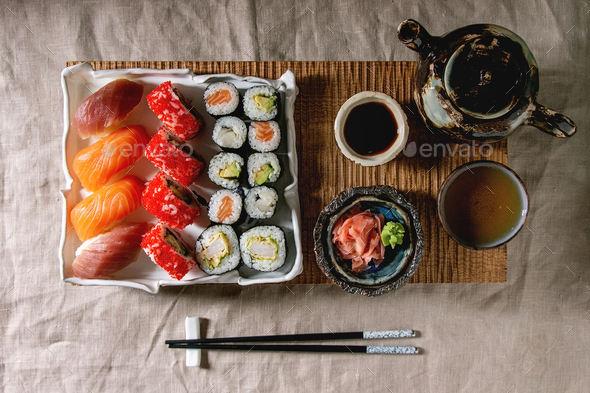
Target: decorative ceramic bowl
[400,263]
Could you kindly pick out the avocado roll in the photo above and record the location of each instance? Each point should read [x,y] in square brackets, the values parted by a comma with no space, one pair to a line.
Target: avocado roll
[263,248]
[261,103]
[263,168]
[217,249]
[225,168]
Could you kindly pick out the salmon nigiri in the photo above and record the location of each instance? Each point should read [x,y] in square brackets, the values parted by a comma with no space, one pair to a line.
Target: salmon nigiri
[106,108]
[106,207]
[102,161]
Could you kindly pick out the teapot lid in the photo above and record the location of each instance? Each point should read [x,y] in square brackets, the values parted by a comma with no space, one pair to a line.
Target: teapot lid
[486,76]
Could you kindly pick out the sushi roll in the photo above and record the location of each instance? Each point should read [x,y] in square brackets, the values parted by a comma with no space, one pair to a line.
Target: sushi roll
[217,249]
[264,136]
[178,160]
[261,103]
[261,202]
[263,168]
[263,248]
[225,207]
[166,249]
[225,169]
[221,98]
[170,201]
[177,114]
[229,132]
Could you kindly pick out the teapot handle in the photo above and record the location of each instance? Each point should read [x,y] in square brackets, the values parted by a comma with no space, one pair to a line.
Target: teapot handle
[551,122]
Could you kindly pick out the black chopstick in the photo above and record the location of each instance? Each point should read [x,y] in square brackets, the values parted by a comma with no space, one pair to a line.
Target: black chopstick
[302,337]
[371,349]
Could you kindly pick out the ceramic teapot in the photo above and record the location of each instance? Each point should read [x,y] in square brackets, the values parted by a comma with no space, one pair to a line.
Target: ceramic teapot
[478,83]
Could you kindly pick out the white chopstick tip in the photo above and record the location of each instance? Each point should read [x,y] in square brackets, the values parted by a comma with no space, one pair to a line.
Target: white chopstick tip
[193,330]
[370,335]
[397,350]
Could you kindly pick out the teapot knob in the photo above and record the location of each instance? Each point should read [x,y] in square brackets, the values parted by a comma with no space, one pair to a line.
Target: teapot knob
[549,121]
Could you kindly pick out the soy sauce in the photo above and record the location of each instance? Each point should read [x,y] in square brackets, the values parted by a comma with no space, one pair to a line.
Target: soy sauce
[370,129]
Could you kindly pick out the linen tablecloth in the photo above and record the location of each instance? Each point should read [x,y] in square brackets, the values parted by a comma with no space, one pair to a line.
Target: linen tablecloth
[527,335]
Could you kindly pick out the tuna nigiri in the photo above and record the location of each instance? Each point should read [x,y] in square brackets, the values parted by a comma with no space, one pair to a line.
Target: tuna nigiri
[102,161]
[106,254]
[106,108]
[106,207]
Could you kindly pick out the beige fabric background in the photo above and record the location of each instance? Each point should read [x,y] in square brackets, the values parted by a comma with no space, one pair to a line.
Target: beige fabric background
[528,335]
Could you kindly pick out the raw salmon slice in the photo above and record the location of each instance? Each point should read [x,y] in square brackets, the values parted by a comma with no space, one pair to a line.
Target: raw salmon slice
[104,255]
[264,131]
[222,96]
[102,161]
[106,207]
[106,108]
[226,208]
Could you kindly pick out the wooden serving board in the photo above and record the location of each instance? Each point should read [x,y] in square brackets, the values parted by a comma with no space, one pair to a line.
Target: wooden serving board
[324,171]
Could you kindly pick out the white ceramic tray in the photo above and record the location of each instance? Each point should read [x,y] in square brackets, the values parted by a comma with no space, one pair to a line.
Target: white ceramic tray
[80,80]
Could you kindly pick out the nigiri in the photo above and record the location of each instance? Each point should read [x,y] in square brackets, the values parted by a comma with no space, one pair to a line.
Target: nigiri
[181,118]
[102,161]
[106,207]
[106,108]
[106,254]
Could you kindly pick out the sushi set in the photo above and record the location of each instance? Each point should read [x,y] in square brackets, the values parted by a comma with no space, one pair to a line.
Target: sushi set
[214,200]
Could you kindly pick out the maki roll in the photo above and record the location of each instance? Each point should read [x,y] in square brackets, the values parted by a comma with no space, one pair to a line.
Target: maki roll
[229,132]
[263,168]
[177,114]
[225,207]
[261,103]
[221,98]
[264,136]
[178,160]
[261,202]
[225,169]
[170,201]
[263,248]
[166,249]
[217,249]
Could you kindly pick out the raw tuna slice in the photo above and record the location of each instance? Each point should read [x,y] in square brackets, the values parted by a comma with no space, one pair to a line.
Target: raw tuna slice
[106,254]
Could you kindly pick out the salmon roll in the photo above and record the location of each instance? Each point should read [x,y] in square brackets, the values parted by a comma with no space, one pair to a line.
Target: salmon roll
[106,207]
[261,202]
[171,202]
[166,249]
[221,98]
[225,169]
[110,157]
[261,103]
[225,207]
[217,249]
[263,168]
[263,248]
[229,132]
[178,160]
[177,114]
[264,136]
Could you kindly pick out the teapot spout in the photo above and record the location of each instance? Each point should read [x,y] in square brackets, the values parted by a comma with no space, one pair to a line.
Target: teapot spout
[413,35]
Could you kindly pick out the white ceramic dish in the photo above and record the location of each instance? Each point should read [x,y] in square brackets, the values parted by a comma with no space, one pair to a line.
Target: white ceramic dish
[399,115]
[77,83]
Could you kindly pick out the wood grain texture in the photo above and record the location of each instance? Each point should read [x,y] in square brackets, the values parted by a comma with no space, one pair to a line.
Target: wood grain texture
[324,171]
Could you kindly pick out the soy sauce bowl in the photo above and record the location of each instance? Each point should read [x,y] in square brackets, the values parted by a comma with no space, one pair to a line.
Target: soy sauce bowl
[382,153]
[400,263]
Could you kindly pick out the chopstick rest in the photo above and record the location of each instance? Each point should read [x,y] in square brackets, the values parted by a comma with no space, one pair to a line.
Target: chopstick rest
[193,331]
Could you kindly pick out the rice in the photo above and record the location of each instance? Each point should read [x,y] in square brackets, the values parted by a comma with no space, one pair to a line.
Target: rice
[255,97]
[264,136]
[217,249]
[225,168]
[263,248]
[227,203]
[263,168]
[229,132]
[261,202]
[219,107]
